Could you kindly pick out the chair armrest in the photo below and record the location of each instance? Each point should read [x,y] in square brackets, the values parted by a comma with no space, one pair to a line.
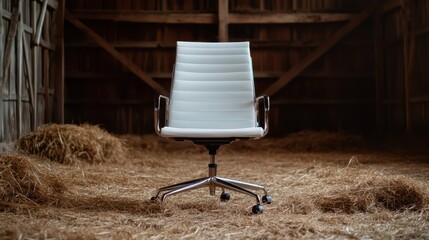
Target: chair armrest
[266,100]
[157,108]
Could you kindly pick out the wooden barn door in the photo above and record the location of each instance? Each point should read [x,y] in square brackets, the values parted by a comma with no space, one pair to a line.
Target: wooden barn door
[30,68]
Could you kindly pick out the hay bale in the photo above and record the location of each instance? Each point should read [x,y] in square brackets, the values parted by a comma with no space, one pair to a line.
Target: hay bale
[23,181]
[322,141]
[68,144]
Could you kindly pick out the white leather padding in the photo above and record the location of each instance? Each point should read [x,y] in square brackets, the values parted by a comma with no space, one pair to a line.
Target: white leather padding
[212,93]
[172,132]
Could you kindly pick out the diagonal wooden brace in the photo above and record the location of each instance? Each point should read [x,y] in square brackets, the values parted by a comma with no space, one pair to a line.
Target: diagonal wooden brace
[318,52]
[117,55]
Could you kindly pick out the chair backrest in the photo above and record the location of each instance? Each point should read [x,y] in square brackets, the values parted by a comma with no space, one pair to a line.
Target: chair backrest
[212,86]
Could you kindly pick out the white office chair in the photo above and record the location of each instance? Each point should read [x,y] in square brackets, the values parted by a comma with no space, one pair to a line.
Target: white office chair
[212,103]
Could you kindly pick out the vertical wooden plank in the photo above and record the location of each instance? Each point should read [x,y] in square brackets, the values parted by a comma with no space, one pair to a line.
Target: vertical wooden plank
[46,69]
[294,5]
[58,75]
[164,5]
[46,84]
[261,5]
[19,69]
[29,77]
[406,37]
[35,58]
[223,20]
[1,74]
[379,65]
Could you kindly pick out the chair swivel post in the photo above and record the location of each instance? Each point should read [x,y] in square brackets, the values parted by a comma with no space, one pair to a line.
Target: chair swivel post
[212,173]
[212,165]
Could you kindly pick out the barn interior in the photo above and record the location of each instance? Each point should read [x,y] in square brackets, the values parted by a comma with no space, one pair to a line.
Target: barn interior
[346,155]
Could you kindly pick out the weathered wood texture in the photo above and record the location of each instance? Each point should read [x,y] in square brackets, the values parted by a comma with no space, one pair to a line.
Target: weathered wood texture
[26,82]
[354,81]
[403,60]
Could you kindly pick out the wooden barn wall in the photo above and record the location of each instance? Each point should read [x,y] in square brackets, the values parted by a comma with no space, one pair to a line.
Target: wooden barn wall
[31,74]
[327,64]
[403,75]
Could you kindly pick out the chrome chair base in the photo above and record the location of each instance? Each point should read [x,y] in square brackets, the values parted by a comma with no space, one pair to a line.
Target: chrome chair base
[214,181]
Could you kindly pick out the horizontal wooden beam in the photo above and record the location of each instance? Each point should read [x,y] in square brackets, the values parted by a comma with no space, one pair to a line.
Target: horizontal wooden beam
[256,74]
[316,101]
[279,18]
[13,98]
[146,17]
[253,44]
[318,52]
[110,75]
[128,44]
[117,55]
[322,101]
[87,102]
[419,99]
[306,101]
[318,74]
[209,18]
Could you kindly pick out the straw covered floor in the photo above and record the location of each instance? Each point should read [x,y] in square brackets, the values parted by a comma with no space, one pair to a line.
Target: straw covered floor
[336,188]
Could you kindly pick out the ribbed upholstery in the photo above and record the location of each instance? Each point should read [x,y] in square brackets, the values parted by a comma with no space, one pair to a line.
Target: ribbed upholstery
[212,93]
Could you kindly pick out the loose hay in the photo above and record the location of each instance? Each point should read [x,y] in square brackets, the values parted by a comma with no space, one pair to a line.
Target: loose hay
[321,141]
[24,182]
[395,194]
[351,190]
[67,143]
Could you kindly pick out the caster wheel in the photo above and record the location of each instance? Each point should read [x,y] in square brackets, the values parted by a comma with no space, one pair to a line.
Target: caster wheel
[267,199]
[258,209]
[225,197]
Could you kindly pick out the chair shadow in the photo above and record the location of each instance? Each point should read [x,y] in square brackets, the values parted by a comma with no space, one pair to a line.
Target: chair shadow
[109,204]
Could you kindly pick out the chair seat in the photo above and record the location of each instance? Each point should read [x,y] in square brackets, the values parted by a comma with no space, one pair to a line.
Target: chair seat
[251,132]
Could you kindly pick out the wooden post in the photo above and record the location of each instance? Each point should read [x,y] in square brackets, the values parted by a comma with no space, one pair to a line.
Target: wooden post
[318,52]
[36,58]
[262,5]
[46,71]
[29,78]
[379,66]
[58,74]
[406,42]
[1,74]
[19,69]
[223,20]
[164,6]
